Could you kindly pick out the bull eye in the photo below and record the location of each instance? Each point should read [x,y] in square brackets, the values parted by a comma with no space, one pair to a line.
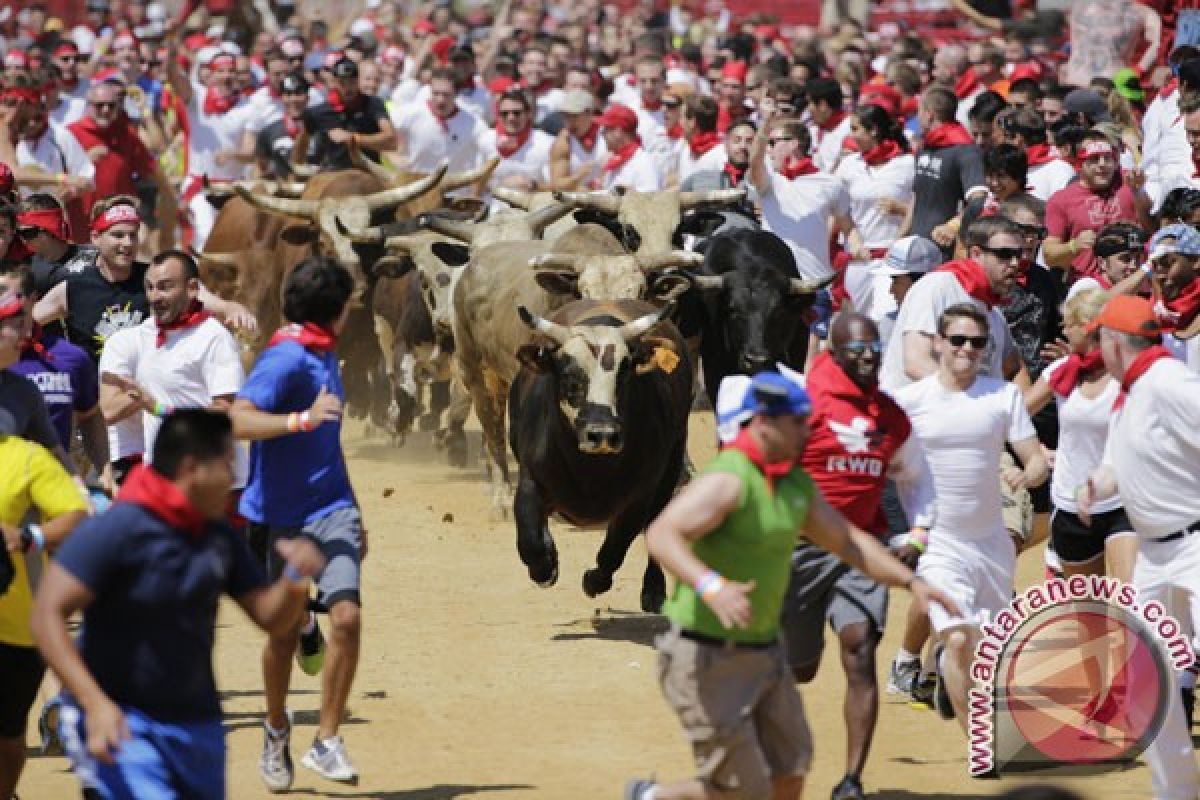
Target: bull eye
[443,279]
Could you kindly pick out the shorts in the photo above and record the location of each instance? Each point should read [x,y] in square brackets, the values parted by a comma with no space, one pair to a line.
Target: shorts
[823,587]
[338,534]
[978,573]
[1016,507]
[159,759]
[1077,543]
[21,671]
[740,710]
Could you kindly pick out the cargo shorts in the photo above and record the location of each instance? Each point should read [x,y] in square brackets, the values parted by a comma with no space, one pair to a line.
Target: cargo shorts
[740,711]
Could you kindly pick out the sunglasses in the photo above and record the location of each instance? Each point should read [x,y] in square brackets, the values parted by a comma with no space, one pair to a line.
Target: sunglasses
[103,106]
[776,140]
[858,347]
[72,59]
[513,113]
[959,340]
[28,234]
[151,62]
[1005,253]
[1032,231]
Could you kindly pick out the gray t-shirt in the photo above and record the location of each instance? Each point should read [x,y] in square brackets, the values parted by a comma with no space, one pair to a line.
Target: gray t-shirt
[21,398]
[943,179]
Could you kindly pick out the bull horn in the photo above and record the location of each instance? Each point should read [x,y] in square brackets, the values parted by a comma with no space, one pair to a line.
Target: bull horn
[632,330]
[557,333]
[390,198]
[304,171]
[601,201]
[226,259]
[548,215]
[556,261]
[460,179]
[707,282]
[801,286]
[365,236]
[460,229]
[711,197]
[514,197]
[288,206]
[675,259]
[289,188]
[401,241]
[372,167]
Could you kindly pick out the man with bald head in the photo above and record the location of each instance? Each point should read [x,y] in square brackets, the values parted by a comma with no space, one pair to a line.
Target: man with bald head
[860,438]
[953,70]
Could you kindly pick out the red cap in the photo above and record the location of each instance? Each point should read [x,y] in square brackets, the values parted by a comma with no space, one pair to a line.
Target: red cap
[618,116]
[66,48]
[196,41]
[1026,69]
[882,95]
[441,48]
[501,84]
[1128,314]
[107,75]
[424,26]
[734,71]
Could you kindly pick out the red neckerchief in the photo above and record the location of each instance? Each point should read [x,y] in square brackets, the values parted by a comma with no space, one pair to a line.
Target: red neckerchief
[1073,369]
[217,102]
[310,336]
[675,132]
[1168,88]
[966,84]
[834,120]
[190,317]
[1180,312]
[291,126]
[795,167]
[947,134]
[339,103]
[618,158]
[588,140]
[882,153]
[648,107]
[34,345]
[734,172]
[973,279]
[1038,154]
[749,448]
[701,143]
[509,143]
[443,121]
[1137,368]
[153,491]
[274,95]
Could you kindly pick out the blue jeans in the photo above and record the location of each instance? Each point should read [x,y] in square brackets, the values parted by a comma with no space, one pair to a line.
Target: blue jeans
[159,760]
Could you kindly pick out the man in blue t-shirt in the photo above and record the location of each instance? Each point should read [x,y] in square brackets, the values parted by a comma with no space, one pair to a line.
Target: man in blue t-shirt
[290,407]
[143,718]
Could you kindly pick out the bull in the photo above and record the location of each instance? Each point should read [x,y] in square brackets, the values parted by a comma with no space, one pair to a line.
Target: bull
[647,222]
[598,420]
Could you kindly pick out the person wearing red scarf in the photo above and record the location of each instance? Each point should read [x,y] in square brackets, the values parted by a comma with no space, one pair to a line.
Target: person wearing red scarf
[439,130]
[579,150]
[731,95]
[628,164]
[1175,268]
[1047,171]
[348,114]
[825,104]
[524,151]
[703,151]
[952,70]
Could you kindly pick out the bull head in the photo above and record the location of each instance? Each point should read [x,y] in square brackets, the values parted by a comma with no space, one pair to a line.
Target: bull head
[589,363]
[654,215]
[612,277]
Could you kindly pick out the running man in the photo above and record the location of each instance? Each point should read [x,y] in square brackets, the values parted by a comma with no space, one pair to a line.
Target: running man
[727,538]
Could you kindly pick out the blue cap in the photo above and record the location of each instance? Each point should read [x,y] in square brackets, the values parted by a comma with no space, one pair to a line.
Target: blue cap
[1187,241]
[739,398]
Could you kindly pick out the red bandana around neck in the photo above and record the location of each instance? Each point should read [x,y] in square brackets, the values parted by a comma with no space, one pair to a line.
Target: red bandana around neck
[443,121]
[882,153]
[734,172]
[652,107]
[310,336]
[34,345]
[190,317]
[153,491]
[1180,312]
[966,84]
[773,471]
[834,120]
[675,132]
[618,158]
[701,143]
[947,134]
[1168,88]
[292,126]
[1073,369]
[588,140]
[217,102]
[339,103]
[1038,154]
[795,167]
[973,279]
[509,143]
[1137,368]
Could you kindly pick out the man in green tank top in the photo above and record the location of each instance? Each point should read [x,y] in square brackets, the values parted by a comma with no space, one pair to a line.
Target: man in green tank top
[727,538]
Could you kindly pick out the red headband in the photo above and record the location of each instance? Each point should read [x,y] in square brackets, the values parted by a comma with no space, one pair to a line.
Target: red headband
[1093,148]
[21,93]
[66,49]
[11,304]
[125,39]
[51,220]
[224,60]
[116,216]
[16,59]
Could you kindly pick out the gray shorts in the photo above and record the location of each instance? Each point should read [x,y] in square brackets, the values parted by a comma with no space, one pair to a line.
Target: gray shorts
[338,534]
[823,587]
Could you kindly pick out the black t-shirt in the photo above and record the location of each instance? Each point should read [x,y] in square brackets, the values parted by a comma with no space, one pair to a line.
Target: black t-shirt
[274,146]
[96,309]
[47,274]
[1033,317]
[942,179]
[363,116]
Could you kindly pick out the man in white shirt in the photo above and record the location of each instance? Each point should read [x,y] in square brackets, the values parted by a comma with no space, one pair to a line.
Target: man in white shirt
[1178,175]
[702,150]
[534,68]
[628,164]
[1047,170]
[439,130]
[473,96]
[963,420]
[48,147]
[1165,147]
[651,76]
[67,59]
[831,123]
[524,151]
[579,151]
[1152,458]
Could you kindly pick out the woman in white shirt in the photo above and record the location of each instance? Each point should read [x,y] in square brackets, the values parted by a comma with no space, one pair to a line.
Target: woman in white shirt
[879,180]
[1085,394]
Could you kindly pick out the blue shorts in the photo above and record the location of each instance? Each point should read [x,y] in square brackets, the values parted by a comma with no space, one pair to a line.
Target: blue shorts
[159,760]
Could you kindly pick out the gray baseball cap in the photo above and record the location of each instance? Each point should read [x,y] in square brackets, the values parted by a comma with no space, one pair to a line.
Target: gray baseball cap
[910,254]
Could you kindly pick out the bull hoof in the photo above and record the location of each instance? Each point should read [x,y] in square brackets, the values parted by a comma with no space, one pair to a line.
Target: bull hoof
[652,601]
[428,422]
[456,450]
[596,582]
[544,576]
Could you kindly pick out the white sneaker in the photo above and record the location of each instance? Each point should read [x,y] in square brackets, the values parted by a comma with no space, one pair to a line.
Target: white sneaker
[328,759]
[275,764]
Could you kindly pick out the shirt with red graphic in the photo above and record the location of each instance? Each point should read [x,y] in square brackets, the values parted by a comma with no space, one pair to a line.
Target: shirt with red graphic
[1076,209]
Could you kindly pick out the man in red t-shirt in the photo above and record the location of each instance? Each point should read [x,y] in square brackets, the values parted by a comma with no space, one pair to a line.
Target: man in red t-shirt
[860,438]
[1101,196]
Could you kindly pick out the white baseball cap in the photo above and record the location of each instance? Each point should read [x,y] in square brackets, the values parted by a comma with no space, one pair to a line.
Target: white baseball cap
[910,254]
[576,101]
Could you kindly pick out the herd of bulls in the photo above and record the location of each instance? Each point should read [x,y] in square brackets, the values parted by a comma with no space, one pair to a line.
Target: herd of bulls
[573,319]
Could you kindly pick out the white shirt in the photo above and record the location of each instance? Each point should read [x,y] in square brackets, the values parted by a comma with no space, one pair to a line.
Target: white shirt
[1082,432]
[477,100]
[828,146]
[1165,148]
[919,312]
[214,133]
[1186,350]
[56,151]
[193,367]
[963,434]
[868,185]
[429,142]
[963,114]
[655,141]
[547,103]
[1154,449]
[798,212]
[712,161]
[70,109]
[639,173]
[1046,179]
[531,160]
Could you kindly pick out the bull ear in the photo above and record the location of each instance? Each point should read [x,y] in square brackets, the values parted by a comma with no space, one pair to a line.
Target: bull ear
[452,255]
[298,234]
[537,358]
[700,223]
[558,281]
[667,287]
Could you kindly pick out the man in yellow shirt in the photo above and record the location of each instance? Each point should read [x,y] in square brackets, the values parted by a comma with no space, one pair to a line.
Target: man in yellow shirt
[31,478]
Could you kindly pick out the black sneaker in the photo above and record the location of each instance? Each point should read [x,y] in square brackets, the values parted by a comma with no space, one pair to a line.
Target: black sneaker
[849,789]
[310,654]
[941,698]
[923,691]
[1189,705]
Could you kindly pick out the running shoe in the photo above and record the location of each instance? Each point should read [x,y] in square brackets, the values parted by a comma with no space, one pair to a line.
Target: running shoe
[328,759]
[923,691]
[51,745]
[310,654]
[1189,706]
[941,698]
[902,679]
[275,764]
[849,789]
[636,789]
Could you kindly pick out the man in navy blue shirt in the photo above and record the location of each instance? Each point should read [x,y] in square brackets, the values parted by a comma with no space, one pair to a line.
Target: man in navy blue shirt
[290,407]
[143,718]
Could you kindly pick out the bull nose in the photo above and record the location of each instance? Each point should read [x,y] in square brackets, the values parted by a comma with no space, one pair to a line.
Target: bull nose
[601,439]
[755,362]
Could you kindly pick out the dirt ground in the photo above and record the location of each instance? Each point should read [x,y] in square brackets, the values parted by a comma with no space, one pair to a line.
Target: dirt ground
[476,683]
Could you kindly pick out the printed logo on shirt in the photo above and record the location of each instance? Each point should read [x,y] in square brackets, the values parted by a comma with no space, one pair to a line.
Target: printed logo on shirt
[1103,210]
[856,437]
[116,318]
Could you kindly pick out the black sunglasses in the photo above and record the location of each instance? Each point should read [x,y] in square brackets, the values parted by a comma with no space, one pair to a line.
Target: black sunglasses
[958,340]
[858,347]
[28,234]
[1029,231]
[776,140]
[511,113]
[1005,253]
[103,105]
